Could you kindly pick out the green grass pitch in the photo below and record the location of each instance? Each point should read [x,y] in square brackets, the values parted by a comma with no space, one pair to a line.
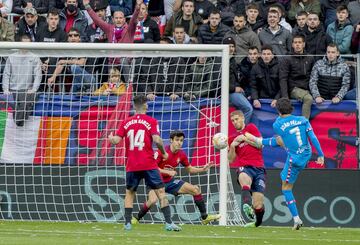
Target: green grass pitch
[64,233]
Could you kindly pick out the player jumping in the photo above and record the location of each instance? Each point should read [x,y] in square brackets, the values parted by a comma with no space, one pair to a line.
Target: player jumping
[139,132]
[294,134]
[177,186]
[248,158]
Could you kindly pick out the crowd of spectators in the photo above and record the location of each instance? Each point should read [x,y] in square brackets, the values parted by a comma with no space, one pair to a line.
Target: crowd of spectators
[289,48]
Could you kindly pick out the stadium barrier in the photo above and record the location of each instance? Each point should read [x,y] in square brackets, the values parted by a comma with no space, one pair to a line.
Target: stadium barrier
[97,194]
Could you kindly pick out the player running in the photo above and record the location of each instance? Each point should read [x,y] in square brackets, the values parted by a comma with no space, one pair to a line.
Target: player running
[177,186]
[294,134]
[251,172]
[139,132]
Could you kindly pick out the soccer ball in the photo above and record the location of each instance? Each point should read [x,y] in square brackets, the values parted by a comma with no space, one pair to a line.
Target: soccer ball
[220,141]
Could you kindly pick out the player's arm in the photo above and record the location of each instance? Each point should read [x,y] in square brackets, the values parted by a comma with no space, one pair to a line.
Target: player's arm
[258,142]
[233,145]
[171,173]
[160,145]
[315,142]
[195,170]
[114,139]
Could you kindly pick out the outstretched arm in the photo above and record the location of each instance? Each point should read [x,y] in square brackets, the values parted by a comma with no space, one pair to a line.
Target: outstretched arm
[314,140]
[195,170]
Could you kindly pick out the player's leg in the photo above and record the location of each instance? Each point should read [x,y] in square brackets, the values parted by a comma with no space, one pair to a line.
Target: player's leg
[154,181]
[259,208]
[152,199]
[258,188]
[245,181]
[132,182]
[289,175]
[194,190]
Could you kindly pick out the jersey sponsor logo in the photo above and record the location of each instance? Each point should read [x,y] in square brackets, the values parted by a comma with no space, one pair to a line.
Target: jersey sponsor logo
[262,183]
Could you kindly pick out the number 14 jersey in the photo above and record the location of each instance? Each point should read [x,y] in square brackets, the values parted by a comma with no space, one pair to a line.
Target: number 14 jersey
[137,131]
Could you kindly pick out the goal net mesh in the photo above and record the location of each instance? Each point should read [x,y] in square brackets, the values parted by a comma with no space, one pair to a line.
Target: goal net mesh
[59,106]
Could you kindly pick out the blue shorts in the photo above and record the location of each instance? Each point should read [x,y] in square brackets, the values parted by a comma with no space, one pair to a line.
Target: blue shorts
[173,186]
[258,176]
[152,179]
[293,166]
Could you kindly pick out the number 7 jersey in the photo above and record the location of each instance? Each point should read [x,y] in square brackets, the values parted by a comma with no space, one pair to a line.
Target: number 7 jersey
[137,131]
[294,133]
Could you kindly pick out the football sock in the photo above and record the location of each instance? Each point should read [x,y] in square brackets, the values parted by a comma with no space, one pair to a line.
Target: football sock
[167,214]
[128,214]
[259,213]
[144,209]
[290,201]
[246,195]
[199,201]
[270,142]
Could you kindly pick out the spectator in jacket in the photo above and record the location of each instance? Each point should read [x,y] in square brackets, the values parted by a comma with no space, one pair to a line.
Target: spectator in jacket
[125,6]
[41,6]
[253,20]
[228,9]
[94,32]
[295,71]
[316,39]
[330,77]
[114,86]
[243,36]
[245,67]
[214,31]
[300,26]
[147,29]
[72,17]
[51,32]
[29,24]
[5,7]
[354,11]
[355,40]
[276,35]
[280,9]
[180,36]
[200,76]
[22,77]
[81,68]
[265,78]
[187,18]
[7,30]
[237,93]
[328,9]
[341,30]
[119,31]
[307,6]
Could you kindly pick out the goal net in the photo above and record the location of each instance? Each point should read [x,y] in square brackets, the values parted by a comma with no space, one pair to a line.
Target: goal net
[59,104]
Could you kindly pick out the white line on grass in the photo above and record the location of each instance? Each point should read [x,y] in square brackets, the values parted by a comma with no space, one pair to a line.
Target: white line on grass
[166,235]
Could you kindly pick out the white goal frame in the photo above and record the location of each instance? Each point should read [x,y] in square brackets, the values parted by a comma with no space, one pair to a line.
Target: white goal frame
[81,48]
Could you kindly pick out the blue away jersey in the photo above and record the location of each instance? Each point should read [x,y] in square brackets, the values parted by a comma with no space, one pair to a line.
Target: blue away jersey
[294,133]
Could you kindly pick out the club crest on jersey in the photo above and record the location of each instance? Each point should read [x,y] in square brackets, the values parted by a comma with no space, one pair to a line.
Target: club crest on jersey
[156,155]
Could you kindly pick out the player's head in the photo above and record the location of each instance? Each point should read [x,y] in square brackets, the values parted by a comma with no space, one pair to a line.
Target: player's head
[176,140]
[284,106]
[237,119]
[140,103]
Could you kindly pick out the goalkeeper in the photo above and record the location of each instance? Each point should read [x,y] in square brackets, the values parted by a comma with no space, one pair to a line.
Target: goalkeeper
[177,186]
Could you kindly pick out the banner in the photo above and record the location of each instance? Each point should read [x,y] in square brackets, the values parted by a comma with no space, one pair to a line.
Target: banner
[70,130]
[325,198]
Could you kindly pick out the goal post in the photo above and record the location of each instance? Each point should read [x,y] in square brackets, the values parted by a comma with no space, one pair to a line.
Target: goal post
[125,51]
